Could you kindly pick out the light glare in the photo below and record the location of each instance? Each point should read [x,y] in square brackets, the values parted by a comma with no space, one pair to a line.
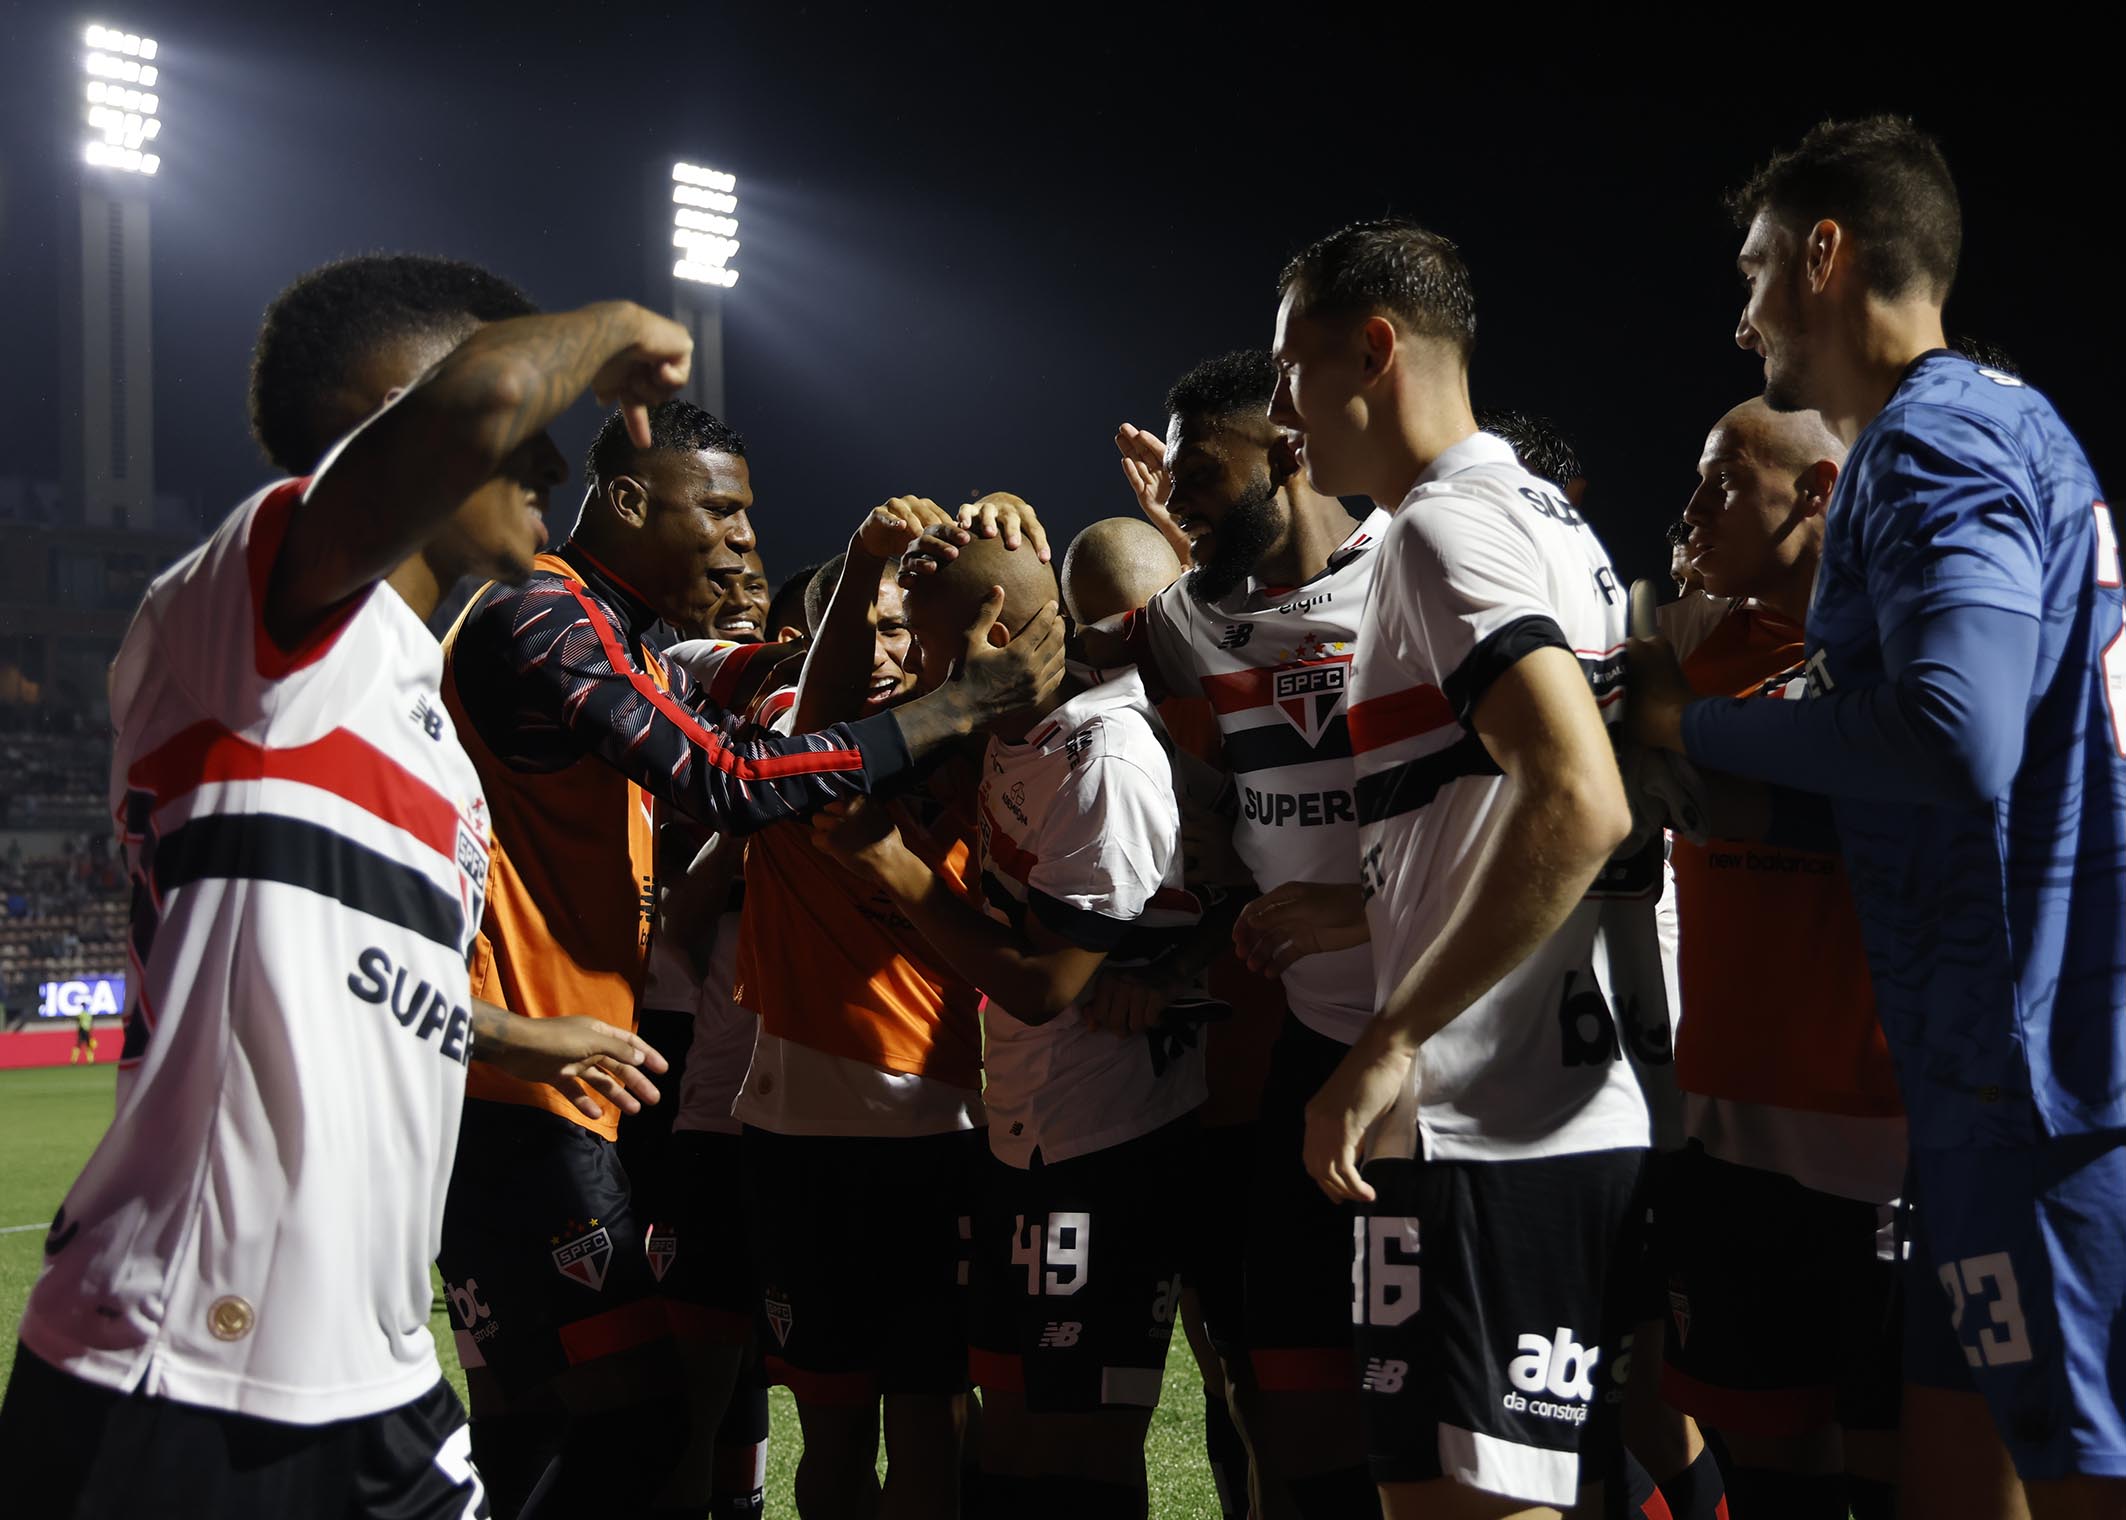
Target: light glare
[147,47]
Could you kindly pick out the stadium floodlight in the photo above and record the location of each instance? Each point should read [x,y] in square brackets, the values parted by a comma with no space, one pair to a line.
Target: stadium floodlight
[122,103]
[704,224]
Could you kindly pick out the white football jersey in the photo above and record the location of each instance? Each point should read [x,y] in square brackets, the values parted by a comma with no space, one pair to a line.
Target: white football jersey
[1081,829]
[308,847]
[1483,564]
[1274,662]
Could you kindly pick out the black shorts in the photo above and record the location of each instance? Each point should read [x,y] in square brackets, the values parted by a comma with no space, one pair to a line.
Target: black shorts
[1782,1314]
[1298,1242]
[698,1247]
[860,1246]
[1496,1299]
[1211,1261]
[645,1138]
[74,1450]
[542,1257]
[1077,1273]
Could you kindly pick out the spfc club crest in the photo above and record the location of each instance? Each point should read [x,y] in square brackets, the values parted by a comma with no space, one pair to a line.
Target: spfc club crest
[1308,695]
[662,1248]
[779,1316]
[1679,1311]
[582,1255]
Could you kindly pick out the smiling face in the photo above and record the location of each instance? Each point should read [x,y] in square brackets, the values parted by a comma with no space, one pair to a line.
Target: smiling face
[742,605]
[1224,499]
[695,536]
[894,663]
[1320,400]
[1776,321]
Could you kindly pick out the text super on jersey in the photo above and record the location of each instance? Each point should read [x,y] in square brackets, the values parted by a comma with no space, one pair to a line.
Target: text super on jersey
[308,847]
[1483,565]
[1274,663]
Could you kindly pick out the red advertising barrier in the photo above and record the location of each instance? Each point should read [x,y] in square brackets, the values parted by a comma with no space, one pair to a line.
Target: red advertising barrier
[52,1047]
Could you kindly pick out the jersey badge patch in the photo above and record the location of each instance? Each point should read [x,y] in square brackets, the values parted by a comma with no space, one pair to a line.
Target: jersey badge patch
[1308,696]
[779,1316]
[662,1248]
[582,1254]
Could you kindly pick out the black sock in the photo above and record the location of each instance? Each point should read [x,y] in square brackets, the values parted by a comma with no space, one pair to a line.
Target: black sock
[1227,1454]
[1006,1496]
[1348,1493]
[1756,1493]
[1870,1500]
[511,1451]
[650,1437]
[1699,1492]
[1085,1499]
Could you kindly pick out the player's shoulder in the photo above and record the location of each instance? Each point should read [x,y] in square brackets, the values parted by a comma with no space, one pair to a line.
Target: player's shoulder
[1951,409]
[1108,735]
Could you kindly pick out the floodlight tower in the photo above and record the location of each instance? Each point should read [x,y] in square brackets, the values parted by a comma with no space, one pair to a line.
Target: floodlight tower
[705,234]
[107,359]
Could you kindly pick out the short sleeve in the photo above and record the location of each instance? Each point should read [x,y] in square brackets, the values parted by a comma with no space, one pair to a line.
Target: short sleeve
[1470,598]
[1945,518]
[1103,850]
[1156,635]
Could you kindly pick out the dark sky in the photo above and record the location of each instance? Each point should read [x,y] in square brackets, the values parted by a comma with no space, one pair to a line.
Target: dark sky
[975,242]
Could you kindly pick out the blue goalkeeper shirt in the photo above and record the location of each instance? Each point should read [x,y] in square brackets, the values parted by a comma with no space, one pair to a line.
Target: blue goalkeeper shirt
[1967,716]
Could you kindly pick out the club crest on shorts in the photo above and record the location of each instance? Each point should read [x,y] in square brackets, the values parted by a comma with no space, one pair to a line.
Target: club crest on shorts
[662,1248]
[779,1316]
[1308,695]
[1679,1311]
[582,1253]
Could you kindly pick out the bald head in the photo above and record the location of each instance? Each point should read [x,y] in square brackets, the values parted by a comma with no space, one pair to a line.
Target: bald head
[1116,565]
[1784,440]
[950,597]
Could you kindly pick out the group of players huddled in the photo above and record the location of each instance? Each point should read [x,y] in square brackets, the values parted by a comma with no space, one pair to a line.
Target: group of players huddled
[1552,1054]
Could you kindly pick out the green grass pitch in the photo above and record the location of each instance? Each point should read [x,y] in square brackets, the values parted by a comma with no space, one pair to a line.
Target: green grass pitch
[50,1120]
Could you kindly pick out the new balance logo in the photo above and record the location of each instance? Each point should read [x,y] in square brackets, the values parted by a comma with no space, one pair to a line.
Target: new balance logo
[1061,1333]
[430,720]
[1554,1375]
[1236,635]
[1384,1376]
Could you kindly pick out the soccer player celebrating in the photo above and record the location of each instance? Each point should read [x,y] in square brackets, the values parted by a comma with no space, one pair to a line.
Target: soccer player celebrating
[575,726]
[1264,625]
[1500,1129]
[1966,714]
[1782,1205]
[235,1298]
[1077,1245]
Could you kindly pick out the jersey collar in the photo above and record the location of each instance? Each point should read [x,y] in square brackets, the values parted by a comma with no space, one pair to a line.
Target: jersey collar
[1476,449]
[1122,688]
[636,611]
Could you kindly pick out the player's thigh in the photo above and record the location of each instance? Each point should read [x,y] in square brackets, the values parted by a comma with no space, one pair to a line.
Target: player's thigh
[1954,1464]
[1484,1290]
[2023,1254]
[1444,1499]
[1763,1281]
[543,1262]
[1077,1279]
[1297,1287]
[922,1221]
[700,1251]
[2078,1499]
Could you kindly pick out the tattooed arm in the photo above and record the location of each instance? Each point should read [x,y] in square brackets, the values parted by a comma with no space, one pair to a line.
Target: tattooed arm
[393,483]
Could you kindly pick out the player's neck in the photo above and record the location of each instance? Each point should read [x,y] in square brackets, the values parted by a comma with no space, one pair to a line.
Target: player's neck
[1430,420]
[1890,336]
[419,586]
[1788,592]
[1319,524]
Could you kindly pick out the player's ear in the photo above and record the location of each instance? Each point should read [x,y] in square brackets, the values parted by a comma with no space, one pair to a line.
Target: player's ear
[1377,337]
[1820,252]
[1816,483]
[1284,459]
[629,499]
[999,635]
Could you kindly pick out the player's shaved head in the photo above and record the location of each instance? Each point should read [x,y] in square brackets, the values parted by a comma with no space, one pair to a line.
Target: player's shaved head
[950,597]
[1117,564]
[1786,440]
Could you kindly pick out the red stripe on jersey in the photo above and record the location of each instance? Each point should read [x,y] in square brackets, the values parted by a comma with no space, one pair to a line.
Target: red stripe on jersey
[1381,721]
[342,763]
[269,526]
[775,704]
[1237,690]
[723,686]
[1006,853]
[713,749]
[1176,900]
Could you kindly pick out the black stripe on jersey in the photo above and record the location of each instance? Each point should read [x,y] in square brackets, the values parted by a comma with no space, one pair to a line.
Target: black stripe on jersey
[298,853]
[1081,926]
[1273,744]
[1500,650]
[1407,787]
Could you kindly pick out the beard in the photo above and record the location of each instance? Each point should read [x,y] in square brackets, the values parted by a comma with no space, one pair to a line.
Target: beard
[1787,385]
[1250,529]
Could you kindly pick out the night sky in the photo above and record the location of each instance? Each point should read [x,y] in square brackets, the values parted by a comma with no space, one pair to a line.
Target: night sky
[975,241]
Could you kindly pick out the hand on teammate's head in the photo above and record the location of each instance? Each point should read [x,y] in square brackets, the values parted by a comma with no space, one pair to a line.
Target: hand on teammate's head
[897,526]
[1000,514]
